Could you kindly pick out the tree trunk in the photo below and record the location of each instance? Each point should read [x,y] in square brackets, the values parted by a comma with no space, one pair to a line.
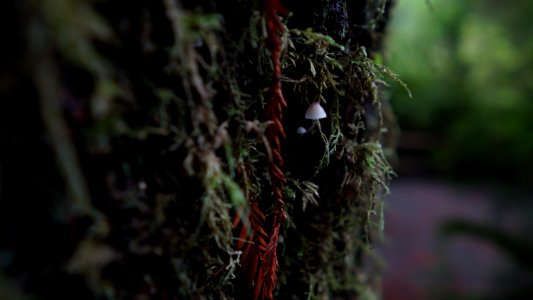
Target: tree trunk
[164,149]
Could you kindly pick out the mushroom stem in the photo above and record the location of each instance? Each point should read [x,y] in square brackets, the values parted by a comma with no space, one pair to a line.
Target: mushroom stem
[313,125]
[322,135]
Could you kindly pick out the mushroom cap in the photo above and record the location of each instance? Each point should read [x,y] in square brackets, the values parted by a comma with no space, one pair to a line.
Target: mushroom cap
[301,130]
[315,112]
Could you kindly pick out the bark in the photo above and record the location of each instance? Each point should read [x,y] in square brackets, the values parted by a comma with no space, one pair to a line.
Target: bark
[150,149]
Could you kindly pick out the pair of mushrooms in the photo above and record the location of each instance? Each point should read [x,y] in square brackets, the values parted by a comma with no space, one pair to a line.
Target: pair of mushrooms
[315,112]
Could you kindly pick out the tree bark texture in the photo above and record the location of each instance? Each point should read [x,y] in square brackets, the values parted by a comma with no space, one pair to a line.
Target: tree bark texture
[160,150]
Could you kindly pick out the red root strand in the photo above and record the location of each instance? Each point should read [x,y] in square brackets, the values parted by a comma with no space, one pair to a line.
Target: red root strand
[259,257]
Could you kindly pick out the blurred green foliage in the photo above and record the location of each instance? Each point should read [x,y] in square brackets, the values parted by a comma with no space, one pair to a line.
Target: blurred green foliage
[469,65]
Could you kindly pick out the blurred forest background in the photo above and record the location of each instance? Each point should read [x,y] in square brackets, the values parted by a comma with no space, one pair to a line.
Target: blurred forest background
[470,65]
[459,217]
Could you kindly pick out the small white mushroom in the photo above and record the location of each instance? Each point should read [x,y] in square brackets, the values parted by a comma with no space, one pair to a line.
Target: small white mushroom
[301,130]
[315,112]
[142,185]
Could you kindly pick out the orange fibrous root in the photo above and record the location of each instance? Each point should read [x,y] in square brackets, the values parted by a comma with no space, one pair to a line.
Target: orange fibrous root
[259,259]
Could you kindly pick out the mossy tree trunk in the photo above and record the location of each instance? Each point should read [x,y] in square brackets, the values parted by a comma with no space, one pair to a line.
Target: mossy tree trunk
[153,149]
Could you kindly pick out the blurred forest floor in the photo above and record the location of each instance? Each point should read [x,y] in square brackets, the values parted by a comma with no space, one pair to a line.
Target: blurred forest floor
[423,262]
